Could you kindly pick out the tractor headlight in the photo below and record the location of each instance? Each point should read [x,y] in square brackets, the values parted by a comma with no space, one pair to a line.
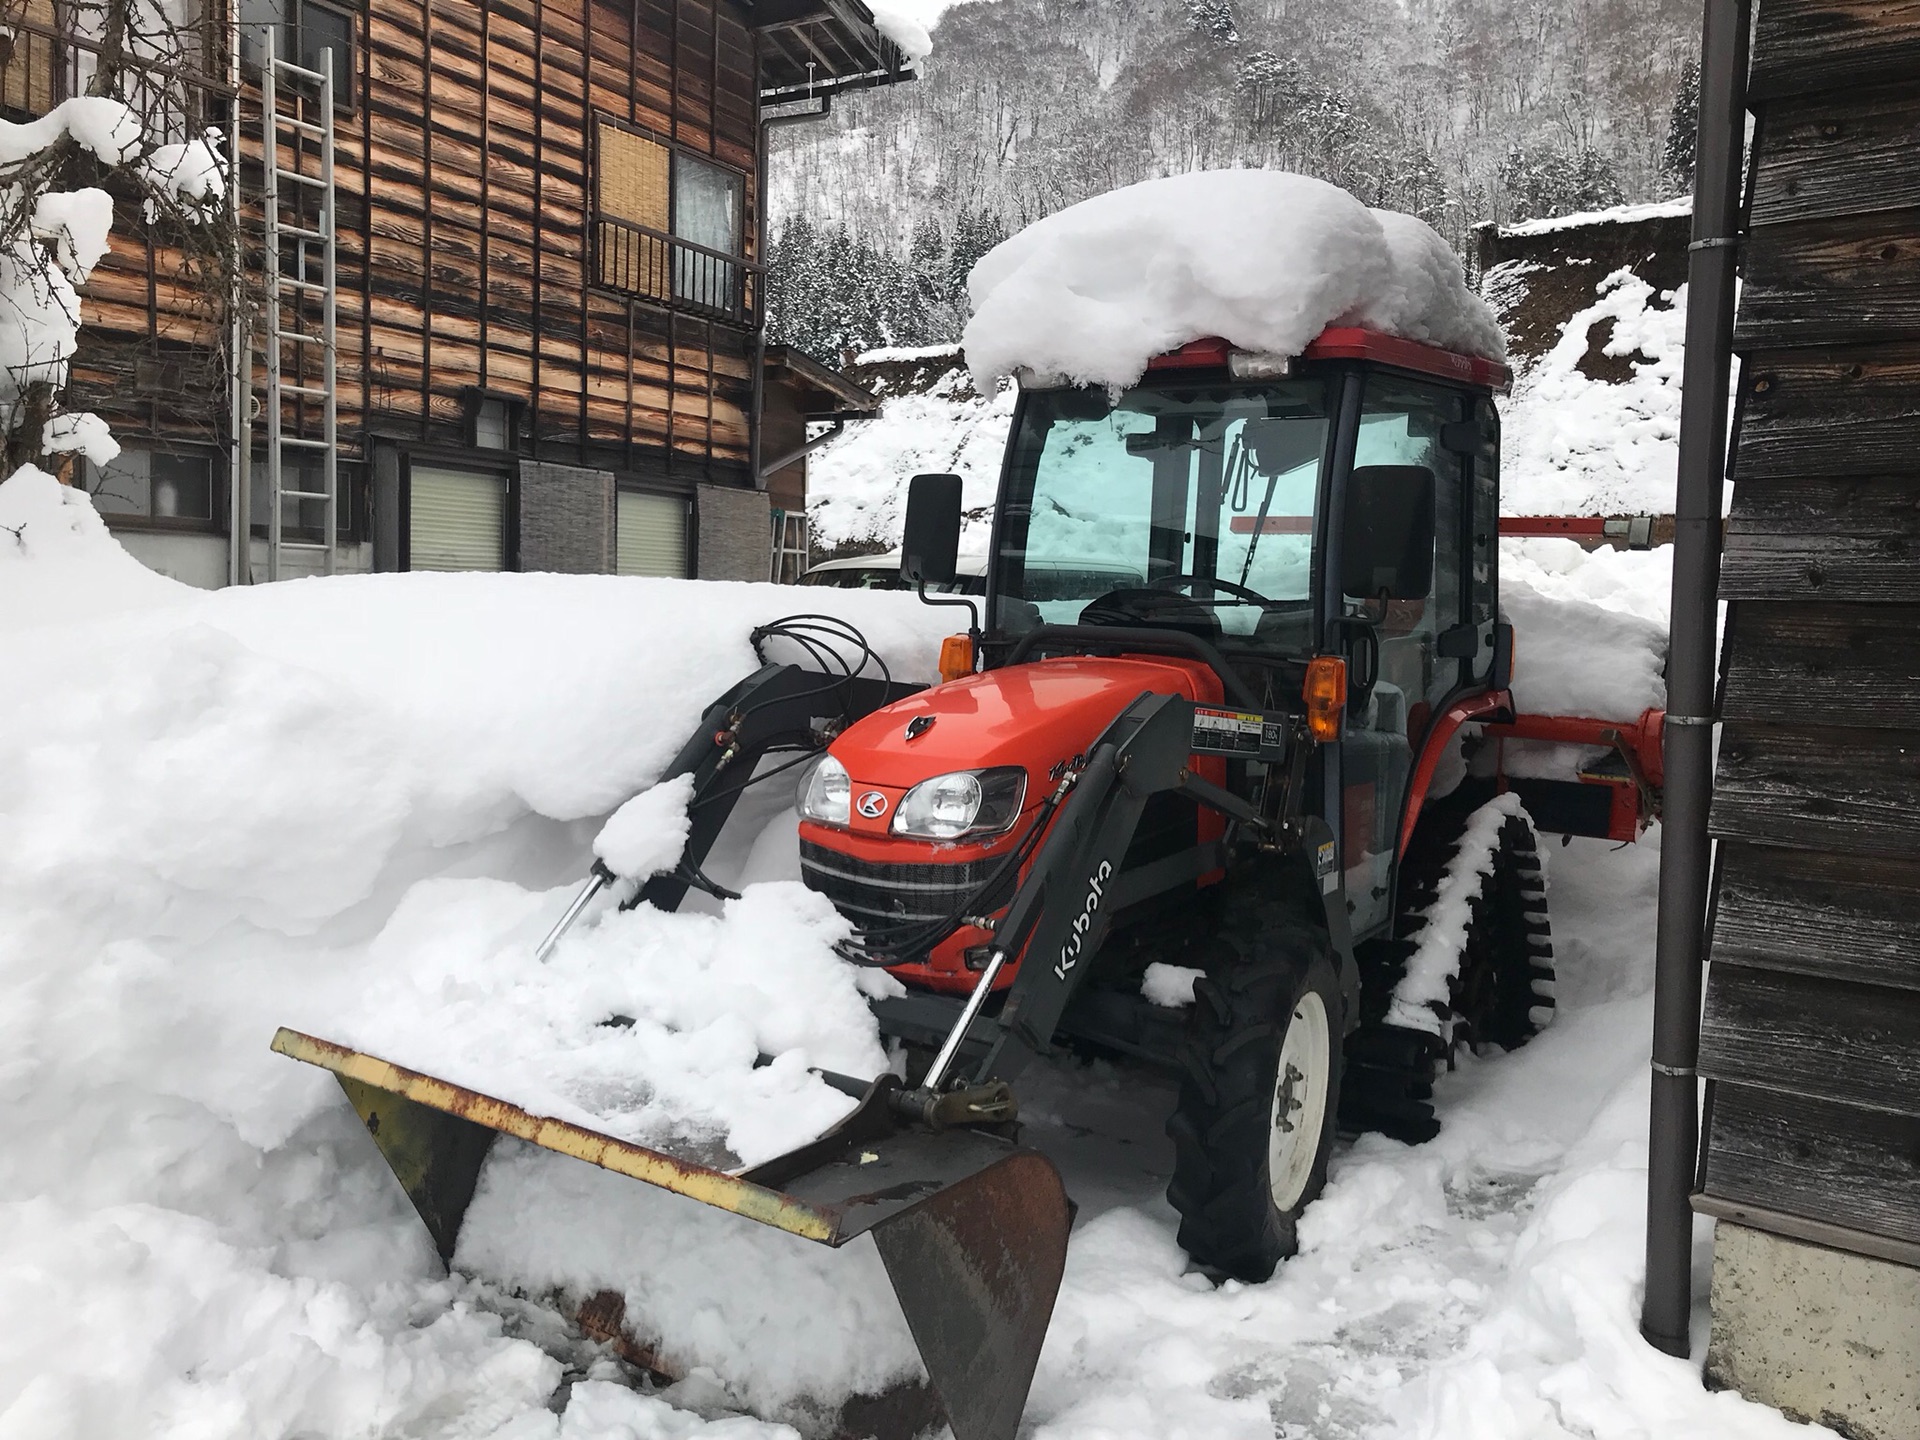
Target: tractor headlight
[967,802]
[824,801]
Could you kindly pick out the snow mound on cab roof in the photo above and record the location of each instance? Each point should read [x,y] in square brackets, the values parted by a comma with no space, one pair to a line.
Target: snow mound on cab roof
[1266,260]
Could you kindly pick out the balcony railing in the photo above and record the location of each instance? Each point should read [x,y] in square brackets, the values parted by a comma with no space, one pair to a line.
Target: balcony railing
[636,260]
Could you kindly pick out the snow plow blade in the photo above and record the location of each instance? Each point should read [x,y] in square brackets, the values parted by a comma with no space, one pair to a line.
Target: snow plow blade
[971,1227]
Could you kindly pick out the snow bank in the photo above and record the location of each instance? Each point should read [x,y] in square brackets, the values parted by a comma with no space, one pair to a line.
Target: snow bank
[1590,630]
[1264,259]
[1575,445]
[344,805]
[58,562]
[1615,215]
[644,1026]
[857,485]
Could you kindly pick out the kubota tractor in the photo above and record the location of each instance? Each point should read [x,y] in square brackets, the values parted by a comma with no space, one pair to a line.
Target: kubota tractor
[1206,718]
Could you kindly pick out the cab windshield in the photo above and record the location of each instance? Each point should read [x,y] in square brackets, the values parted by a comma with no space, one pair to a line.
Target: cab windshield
[1190,506]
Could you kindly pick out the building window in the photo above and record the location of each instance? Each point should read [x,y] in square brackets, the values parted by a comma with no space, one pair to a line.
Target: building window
[171,486]
[650,534]
[29,75]
[302,519]
[495,422]
[306,29]
[667,224]
[456,519]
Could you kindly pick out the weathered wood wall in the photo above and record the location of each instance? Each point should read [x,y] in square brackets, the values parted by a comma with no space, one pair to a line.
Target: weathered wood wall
[470,262]
[1812,1025]
[464,175]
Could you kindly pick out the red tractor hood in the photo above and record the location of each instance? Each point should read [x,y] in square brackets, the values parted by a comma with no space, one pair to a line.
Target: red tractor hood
[1036,716]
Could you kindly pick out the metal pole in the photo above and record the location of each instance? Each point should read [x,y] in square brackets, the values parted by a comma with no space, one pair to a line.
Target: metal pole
[270,203]
[937,1072]
[595,883]
[1685,848]
[330,432]
[240,426]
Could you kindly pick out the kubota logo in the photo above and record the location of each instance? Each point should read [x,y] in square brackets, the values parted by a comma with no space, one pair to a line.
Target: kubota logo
[872,805]
[1096,890]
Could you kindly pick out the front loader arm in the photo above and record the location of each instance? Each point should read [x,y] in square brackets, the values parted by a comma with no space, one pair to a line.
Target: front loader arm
[1062,910]
[777,707]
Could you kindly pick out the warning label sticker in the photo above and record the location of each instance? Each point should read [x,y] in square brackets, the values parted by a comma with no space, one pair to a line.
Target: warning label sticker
[1235,732]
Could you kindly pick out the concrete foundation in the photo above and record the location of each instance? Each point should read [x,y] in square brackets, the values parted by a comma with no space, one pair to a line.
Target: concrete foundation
[1820,1334]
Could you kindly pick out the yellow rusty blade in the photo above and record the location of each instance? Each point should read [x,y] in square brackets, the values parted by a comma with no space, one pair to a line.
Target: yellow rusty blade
[697,1182]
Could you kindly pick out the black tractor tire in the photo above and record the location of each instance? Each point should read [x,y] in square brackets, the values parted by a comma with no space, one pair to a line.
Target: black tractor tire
[1501,995]
[1269,969]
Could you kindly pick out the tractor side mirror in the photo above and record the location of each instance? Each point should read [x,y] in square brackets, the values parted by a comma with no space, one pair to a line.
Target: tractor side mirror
[1386,547]
[930,549]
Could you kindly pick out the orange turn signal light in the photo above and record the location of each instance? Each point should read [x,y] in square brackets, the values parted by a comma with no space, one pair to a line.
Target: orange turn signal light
[1326,696]
[956,657]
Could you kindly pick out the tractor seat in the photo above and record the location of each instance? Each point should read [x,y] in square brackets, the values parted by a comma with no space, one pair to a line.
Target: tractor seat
[1157,609]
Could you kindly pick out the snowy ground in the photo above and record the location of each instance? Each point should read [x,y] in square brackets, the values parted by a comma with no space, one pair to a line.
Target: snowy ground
[220,813]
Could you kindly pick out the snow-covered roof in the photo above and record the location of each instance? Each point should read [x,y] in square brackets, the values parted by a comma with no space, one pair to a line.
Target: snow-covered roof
[1617,215]
[907,354]
[896,20]
[1261,258]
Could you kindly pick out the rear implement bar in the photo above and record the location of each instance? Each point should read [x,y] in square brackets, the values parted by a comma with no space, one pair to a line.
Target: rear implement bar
[971,1227]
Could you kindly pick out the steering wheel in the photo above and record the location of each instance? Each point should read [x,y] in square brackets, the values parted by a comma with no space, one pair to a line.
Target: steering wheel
[1239,592]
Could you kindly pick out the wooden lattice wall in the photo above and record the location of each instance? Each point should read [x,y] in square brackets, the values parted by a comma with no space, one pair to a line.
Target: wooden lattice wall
[1812,1027]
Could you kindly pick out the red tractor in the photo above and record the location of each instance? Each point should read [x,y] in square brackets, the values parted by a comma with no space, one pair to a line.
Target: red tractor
[1207,739]
[1235,619]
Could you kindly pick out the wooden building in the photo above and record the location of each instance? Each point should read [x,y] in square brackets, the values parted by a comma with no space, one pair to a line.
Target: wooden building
[1811,1038]
[545,299]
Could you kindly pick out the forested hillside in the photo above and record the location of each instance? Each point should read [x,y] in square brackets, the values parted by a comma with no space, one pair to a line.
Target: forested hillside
[1458,111]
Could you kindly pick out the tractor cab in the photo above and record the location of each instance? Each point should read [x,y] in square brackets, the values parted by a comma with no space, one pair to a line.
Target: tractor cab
[1341,504]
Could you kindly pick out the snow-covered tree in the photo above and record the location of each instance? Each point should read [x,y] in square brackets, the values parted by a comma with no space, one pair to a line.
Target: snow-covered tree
[1683,129]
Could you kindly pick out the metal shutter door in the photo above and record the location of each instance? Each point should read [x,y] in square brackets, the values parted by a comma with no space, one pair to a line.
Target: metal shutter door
[459,520]
[650,535]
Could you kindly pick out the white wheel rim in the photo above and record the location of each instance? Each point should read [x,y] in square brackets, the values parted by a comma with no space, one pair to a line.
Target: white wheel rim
[1299,1101]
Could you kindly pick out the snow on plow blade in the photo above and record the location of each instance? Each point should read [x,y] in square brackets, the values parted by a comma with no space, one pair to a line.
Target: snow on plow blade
[971,1227]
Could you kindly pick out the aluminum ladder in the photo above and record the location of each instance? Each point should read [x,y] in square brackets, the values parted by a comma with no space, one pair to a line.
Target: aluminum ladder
[298,201]
[789,545]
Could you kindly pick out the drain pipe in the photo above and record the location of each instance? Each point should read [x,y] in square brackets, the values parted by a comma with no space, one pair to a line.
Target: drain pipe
[1673,1135]
[833,432]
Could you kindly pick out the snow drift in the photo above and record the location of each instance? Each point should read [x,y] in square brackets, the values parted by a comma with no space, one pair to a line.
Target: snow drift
[359,801]
[1263,259]
[352,806]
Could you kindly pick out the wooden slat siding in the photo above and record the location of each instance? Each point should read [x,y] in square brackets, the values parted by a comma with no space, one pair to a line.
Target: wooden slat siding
[1812,1019]
[463,179]
[1827,1039]
[1808,45]
[1846,665]
[1797,404]
[1829,539]
[1821,157]
[1819,787]
[1851,1167]
[1853,280]
[1845,916]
